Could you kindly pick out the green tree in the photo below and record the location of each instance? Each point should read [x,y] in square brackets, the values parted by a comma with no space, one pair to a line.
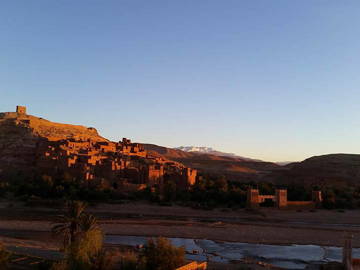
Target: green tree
[160,254]
[221,184]
[169,191]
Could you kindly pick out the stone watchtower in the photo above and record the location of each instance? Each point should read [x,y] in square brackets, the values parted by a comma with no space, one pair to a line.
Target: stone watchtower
[252,200]
[281,198]
[20,109]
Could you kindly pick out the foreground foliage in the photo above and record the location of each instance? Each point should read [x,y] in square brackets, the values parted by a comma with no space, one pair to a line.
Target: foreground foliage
[82,240]
[157,254]
[129,261]
[160,254]
[4,257]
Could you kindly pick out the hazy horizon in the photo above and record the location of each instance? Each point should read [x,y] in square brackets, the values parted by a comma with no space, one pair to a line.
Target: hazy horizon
[275,81]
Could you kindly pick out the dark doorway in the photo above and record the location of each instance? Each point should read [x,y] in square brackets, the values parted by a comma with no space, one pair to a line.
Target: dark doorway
[268,203]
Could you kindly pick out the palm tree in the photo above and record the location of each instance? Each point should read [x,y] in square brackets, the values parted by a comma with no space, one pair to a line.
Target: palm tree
[69,225]
[88,223]
[83,239]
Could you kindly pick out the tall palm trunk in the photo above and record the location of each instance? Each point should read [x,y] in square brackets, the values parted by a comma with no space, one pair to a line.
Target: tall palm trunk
[73,231]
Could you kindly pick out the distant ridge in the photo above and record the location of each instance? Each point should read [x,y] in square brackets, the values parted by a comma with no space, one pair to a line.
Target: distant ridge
[332,168]
[211,151]
[211,161]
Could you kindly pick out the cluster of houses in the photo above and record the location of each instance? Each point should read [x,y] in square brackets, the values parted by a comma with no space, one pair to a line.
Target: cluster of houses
[120,164]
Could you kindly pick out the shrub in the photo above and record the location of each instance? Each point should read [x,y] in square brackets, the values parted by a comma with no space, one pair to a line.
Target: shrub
[62,265]
[160,254]
[4,257]
[86,249]
[128,261]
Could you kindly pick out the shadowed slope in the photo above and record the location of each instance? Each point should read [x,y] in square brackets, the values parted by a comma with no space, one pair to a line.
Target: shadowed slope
[332,168]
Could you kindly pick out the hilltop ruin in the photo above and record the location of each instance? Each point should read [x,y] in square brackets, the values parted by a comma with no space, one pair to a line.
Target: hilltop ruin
[41,148]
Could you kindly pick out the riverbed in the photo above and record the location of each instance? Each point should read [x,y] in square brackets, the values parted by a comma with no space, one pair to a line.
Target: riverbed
[286,256]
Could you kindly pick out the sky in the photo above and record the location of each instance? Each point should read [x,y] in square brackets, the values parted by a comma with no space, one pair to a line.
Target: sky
[273,80]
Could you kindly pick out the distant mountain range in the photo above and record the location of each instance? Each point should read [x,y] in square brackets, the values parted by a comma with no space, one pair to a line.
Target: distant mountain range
[211,161]
[333,168]
[211,151]
[20,135]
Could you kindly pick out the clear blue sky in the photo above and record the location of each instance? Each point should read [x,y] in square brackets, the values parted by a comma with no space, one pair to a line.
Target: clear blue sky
[275,80]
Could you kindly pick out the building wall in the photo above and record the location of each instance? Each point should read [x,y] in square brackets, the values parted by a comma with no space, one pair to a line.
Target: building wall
[194,266]
[252,199]
[280,199]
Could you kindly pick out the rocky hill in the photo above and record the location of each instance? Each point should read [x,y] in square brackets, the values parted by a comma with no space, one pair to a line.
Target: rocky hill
[35,148]
[20,133]
[25,124]
[333,168]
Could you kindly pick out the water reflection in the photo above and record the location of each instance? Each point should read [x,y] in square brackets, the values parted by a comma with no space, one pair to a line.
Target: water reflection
[287,256]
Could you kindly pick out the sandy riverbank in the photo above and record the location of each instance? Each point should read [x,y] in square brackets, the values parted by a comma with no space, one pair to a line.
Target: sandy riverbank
[270,226]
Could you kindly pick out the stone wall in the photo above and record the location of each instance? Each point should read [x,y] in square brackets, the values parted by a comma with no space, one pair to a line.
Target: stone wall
[254,199]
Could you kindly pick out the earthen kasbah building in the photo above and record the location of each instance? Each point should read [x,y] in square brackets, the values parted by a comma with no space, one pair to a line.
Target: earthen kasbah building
[280,199]
[78,153]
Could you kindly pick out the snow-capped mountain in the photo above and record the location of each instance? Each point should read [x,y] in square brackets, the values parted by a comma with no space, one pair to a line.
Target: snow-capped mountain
[202,149]
[211,151]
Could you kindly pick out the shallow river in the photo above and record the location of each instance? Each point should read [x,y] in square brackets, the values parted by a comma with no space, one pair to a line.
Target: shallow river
[287,256]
